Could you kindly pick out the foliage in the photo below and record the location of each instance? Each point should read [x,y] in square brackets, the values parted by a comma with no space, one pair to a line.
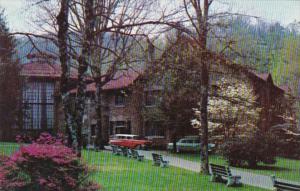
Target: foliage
[232,109]
[45,164]
[10,82]
[250,151]
[181,78]
[269,47]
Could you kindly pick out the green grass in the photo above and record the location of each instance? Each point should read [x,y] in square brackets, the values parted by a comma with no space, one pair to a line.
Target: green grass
[121,173]
[284,168]
[117,173]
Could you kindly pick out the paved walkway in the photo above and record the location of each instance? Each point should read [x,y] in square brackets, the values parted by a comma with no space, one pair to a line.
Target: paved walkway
[248,178]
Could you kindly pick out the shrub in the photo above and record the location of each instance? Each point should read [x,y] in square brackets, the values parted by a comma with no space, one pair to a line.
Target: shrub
[250,151]
[45,165]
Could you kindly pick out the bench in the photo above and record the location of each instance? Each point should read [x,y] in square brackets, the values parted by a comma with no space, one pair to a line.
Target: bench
[280,185]
[219,173]
[124,151]
[135,154]
[159,161]
[116,150]
[129,153]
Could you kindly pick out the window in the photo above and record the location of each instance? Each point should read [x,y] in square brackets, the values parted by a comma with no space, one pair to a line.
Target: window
[120,127]
[150,99]
[154,128]
[120,99]
[38,101]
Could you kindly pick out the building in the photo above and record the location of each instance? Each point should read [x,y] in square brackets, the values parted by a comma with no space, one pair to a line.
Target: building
[125,101]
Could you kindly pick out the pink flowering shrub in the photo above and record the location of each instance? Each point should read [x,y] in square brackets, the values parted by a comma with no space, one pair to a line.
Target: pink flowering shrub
[46,165]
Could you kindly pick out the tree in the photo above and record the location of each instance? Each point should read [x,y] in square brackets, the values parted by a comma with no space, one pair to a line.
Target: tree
[102,42]
[62,36]
[180,74]
[10,82]
[232,110]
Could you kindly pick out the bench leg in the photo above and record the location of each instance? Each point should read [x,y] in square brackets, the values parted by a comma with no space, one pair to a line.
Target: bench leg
[233,181]
[213,178]
[230,181]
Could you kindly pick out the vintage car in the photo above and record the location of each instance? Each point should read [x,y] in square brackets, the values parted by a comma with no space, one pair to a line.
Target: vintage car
[191,144]
[129,141]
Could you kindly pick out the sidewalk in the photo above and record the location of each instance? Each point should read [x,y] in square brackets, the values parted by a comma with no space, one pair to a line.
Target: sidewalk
[248,178]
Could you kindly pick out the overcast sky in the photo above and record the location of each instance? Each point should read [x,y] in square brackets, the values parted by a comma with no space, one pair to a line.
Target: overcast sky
[283,11]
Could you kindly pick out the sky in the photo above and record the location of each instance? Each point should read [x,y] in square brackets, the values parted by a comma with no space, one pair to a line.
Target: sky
[283,11]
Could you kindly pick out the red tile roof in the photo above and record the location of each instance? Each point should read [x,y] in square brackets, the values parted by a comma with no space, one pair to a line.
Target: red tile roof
[43,70]
[285,88]
[121,80]
[263,76]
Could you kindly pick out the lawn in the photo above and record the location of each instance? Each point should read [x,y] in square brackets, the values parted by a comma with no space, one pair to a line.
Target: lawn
[284,168]
[121,173]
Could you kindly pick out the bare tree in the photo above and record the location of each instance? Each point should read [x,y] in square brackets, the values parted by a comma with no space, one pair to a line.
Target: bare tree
[105,37]
[62,36]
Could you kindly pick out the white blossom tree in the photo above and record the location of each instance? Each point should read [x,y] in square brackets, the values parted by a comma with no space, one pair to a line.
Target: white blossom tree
[232,110]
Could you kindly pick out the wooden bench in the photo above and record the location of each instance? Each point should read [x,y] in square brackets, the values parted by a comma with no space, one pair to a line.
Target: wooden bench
[280,185]
[136,155]
[116,150]
[219,173]
[129,153]
[124,151]
[159,161]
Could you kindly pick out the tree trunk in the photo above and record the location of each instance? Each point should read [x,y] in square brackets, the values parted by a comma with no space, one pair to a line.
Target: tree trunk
[99,137]
[63,25]
[83,68]
[174,145]
[204,122]
[204,88]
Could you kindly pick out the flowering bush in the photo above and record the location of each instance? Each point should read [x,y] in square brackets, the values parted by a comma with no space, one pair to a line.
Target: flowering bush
[44,165]
[250,151]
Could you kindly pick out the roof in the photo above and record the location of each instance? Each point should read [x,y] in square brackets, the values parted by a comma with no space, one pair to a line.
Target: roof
[37,69]
[121,80]
[262,76]
[285,88]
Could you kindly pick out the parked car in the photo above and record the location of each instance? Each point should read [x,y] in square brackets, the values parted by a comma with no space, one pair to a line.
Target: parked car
[158,142]
[191,144]
[129,141]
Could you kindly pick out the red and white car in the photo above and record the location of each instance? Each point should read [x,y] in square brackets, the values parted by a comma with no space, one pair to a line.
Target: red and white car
[129,141]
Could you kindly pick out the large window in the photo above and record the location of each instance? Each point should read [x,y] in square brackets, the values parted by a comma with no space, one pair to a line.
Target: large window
[120,127]
[154,128]
[120,99]
[38,102]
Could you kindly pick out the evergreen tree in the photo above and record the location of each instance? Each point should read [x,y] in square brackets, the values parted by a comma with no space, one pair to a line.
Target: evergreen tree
[7,43]
[10,82]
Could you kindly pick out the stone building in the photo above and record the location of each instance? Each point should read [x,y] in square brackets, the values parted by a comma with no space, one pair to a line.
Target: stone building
[125,100]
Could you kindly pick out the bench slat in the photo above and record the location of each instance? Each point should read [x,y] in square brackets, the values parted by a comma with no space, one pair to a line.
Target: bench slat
[287,188]
[279,183]
[221,173]
[282,185]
